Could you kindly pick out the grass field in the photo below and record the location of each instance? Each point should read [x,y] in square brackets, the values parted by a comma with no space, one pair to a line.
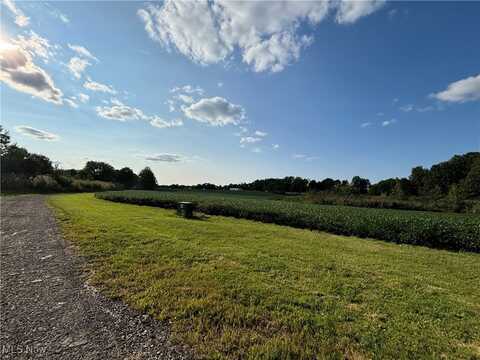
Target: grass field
[235,288]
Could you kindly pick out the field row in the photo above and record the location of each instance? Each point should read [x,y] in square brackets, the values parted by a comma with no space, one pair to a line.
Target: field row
[443,231]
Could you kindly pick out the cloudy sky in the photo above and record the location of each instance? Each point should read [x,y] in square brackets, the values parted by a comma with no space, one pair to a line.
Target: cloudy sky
[232,91]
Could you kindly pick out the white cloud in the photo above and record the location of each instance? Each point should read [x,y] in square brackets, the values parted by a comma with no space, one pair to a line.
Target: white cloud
[162,124]
[35,45]
[275,53]
[411,107]
[380,114]
[261,133]
[350,11]
[389,122]
[267,34]
[82,51]
[257,150]
[20,18]
[299,156]
[83,97]
[426,108]
[117,110]
[185,98]
[184,95]
[366,124]
[71,103]
[215,111]
[61,16]
[220,84]
[407,108]
[36,133]
[64,18]
[164,157]
[188,89]
[77,66]
[249,140]
[242,131]
[20,73]
[304,157]
[96,86]
[275,146]
[188,25]
[461,91]
[171,105]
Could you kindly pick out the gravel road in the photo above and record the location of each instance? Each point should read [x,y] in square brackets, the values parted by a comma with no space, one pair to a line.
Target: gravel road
[47,309]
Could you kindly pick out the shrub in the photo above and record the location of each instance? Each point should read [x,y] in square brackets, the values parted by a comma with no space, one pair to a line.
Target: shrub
[64,181]
[45,183]
[15,183]
[91,185]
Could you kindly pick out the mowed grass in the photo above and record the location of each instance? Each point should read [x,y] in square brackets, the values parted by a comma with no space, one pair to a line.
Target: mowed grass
[235,288]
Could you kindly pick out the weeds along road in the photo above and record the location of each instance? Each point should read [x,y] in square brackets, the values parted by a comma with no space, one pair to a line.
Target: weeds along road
[47,309]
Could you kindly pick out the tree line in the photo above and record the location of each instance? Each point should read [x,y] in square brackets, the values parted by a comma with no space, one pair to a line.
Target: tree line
[25,171]
[457,178]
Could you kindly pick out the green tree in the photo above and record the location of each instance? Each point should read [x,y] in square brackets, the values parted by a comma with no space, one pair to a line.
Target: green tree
[4,141]
[471,184]
[360,185]
[126,177]
[36,164]
[403,188]
[97,170]
[147,179]
[384,187]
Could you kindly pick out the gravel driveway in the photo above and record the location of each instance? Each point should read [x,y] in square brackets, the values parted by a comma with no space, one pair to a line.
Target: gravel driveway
[48,311]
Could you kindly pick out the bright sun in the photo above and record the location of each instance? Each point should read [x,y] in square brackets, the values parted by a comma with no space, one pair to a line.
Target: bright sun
[4,44]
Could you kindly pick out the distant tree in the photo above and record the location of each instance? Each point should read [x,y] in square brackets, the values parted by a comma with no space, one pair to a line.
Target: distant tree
[313,185]
[4,141]
[384,187]
[97,170]
[360,185]
[471,185]
[126,177]
[299,185]
[13,160]
[403,188]
[147,179]
[328,184]
[420,179]
[36,164]
[438,180]
[19,161]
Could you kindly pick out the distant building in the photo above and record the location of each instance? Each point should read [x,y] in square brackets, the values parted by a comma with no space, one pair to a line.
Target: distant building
[235,189]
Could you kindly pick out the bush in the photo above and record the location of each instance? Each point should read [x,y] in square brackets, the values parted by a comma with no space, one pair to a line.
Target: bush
[15,183]
[64,181]
[437,230]
[91,186]
[45,183]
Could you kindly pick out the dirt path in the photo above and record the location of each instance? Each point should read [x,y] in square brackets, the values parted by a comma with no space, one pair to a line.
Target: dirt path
[47,310]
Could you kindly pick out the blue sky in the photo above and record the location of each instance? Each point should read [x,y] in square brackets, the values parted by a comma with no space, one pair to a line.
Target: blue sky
[229,92]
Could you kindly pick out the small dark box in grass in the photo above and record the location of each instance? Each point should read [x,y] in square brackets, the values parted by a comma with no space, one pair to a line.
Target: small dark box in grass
[185,209]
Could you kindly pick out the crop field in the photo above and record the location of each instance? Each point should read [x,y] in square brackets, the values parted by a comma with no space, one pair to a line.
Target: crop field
[436,230]
[234,288]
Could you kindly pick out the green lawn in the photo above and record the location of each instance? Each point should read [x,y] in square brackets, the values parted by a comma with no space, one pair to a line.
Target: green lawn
[241,289]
